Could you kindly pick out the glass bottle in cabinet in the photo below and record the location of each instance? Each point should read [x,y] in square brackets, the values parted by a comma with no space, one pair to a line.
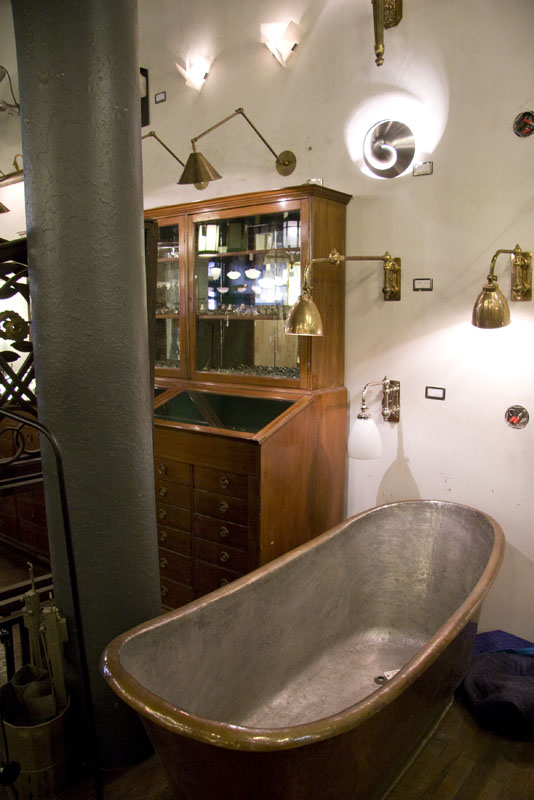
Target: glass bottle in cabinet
[247,277]
[167,339]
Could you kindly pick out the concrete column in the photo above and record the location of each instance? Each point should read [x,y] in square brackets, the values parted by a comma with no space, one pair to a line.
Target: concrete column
[79,87]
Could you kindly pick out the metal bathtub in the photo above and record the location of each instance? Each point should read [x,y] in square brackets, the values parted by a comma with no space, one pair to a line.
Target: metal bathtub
[266,689]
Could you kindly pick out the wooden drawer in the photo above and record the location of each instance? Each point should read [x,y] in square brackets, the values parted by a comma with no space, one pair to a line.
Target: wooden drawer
[223,532]
[177,494]
[172,470]
[174,594]
[221,507]
[175,566]
[30,510]
[175,517]
[222,555]
[209,577]
[34,536]
[8,526]
[8,506]
[171,539]
[214,480]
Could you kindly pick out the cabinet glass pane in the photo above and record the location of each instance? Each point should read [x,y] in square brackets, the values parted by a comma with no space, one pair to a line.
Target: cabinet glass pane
[168,298]
[247,277]
[231,412]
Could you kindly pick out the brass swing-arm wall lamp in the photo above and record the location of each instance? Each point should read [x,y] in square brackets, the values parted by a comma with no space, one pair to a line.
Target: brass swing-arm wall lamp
[491,309]
[6,179]
[386,14]
[154,135]
[199,171]
[304,318]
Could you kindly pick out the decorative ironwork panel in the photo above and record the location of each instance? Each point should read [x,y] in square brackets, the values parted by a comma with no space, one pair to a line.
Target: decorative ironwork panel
[16,362]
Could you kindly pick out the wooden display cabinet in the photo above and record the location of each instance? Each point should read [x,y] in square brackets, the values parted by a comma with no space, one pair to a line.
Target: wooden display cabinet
[250,424]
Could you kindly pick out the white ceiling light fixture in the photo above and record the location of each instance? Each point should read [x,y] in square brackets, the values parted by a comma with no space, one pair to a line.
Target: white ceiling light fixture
[196,71]
[281,39]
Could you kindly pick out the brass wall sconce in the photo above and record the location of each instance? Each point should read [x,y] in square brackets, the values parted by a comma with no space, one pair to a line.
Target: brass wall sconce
[154,135]
[200,172]
[491,309]
[304,318]
[6,179]
[364,439]
[3,209]
[386,14]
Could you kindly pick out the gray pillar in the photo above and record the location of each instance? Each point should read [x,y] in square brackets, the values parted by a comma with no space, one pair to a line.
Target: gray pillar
[79,87]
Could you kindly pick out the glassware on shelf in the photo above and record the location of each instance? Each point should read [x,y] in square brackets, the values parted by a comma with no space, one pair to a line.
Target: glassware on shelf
[240,325]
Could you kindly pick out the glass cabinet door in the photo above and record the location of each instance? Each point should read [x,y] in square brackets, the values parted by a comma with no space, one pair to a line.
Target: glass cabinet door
[168,298]
[247,277]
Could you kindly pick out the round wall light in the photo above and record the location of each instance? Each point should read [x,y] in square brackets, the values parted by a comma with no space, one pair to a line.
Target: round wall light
[388,148]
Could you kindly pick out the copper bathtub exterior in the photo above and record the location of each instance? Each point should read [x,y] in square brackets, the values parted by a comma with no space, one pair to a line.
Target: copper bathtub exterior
[268,689]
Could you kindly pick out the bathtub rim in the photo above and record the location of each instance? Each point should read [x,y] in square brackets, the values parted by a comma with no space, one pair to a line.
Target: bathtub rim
[237,737]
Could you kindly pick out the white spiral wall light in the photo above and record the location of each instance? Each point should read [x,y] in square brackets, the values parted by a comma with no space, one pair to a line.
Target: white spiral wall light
[388,148]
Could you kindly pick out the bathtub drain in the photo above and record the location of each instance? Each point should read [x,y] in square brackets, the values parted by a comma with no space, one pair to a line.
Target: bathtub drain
[386,676]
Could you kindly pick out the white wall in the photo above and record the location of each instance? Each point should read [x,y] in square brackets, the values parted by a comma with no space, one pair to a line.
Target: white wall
[468,68]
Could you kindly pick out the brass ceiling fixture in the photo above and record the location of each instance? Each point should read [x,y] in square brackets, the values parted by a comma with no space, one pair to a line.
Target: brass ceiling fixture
[12,177]
[491,309]
[386,14]
[200,172]
[304,318]
[154,135]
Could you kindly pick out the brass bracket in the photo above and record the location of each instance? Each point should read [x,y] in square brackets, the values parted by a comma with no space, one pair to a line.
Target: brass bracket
[391,400]
[392,13]
[386,14]
[392,278]
[521,274]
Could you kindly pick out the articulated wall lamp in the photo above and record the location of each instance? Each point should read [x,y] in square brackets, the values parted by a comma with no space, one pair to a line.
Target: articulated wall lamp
[304,318]
[12,177]
[168,149]
[364,438]
[386,14]
[491,309]
[199,171]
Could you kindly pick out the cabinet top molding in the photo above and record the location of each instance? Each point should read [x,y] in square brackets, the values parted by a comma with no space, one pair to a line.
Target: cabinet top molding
[249,199]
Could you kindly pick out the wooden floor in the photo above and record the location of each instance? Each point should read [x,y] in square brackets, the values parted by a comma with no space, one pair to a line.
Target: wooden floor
[460,762]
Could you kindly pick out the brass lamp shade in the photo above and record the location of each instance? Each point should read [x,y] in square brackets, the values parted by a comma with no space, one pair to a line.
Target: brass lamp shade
[304,318]
[198,170]
[491,309]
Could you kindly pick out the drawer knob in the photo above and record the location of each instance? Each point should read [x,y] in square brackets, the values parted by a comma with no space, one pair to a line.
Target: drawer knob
[162,491]
[223,531]
[164,591]
[223,507]
[162,514]
[224,581]
[162,469]
[224,482]
[163,536]
[163,563]
[224,557]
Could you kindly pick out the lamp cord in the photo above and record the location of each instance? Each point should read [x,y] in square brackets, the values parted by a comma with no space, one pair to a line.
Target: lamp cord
[11,87]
